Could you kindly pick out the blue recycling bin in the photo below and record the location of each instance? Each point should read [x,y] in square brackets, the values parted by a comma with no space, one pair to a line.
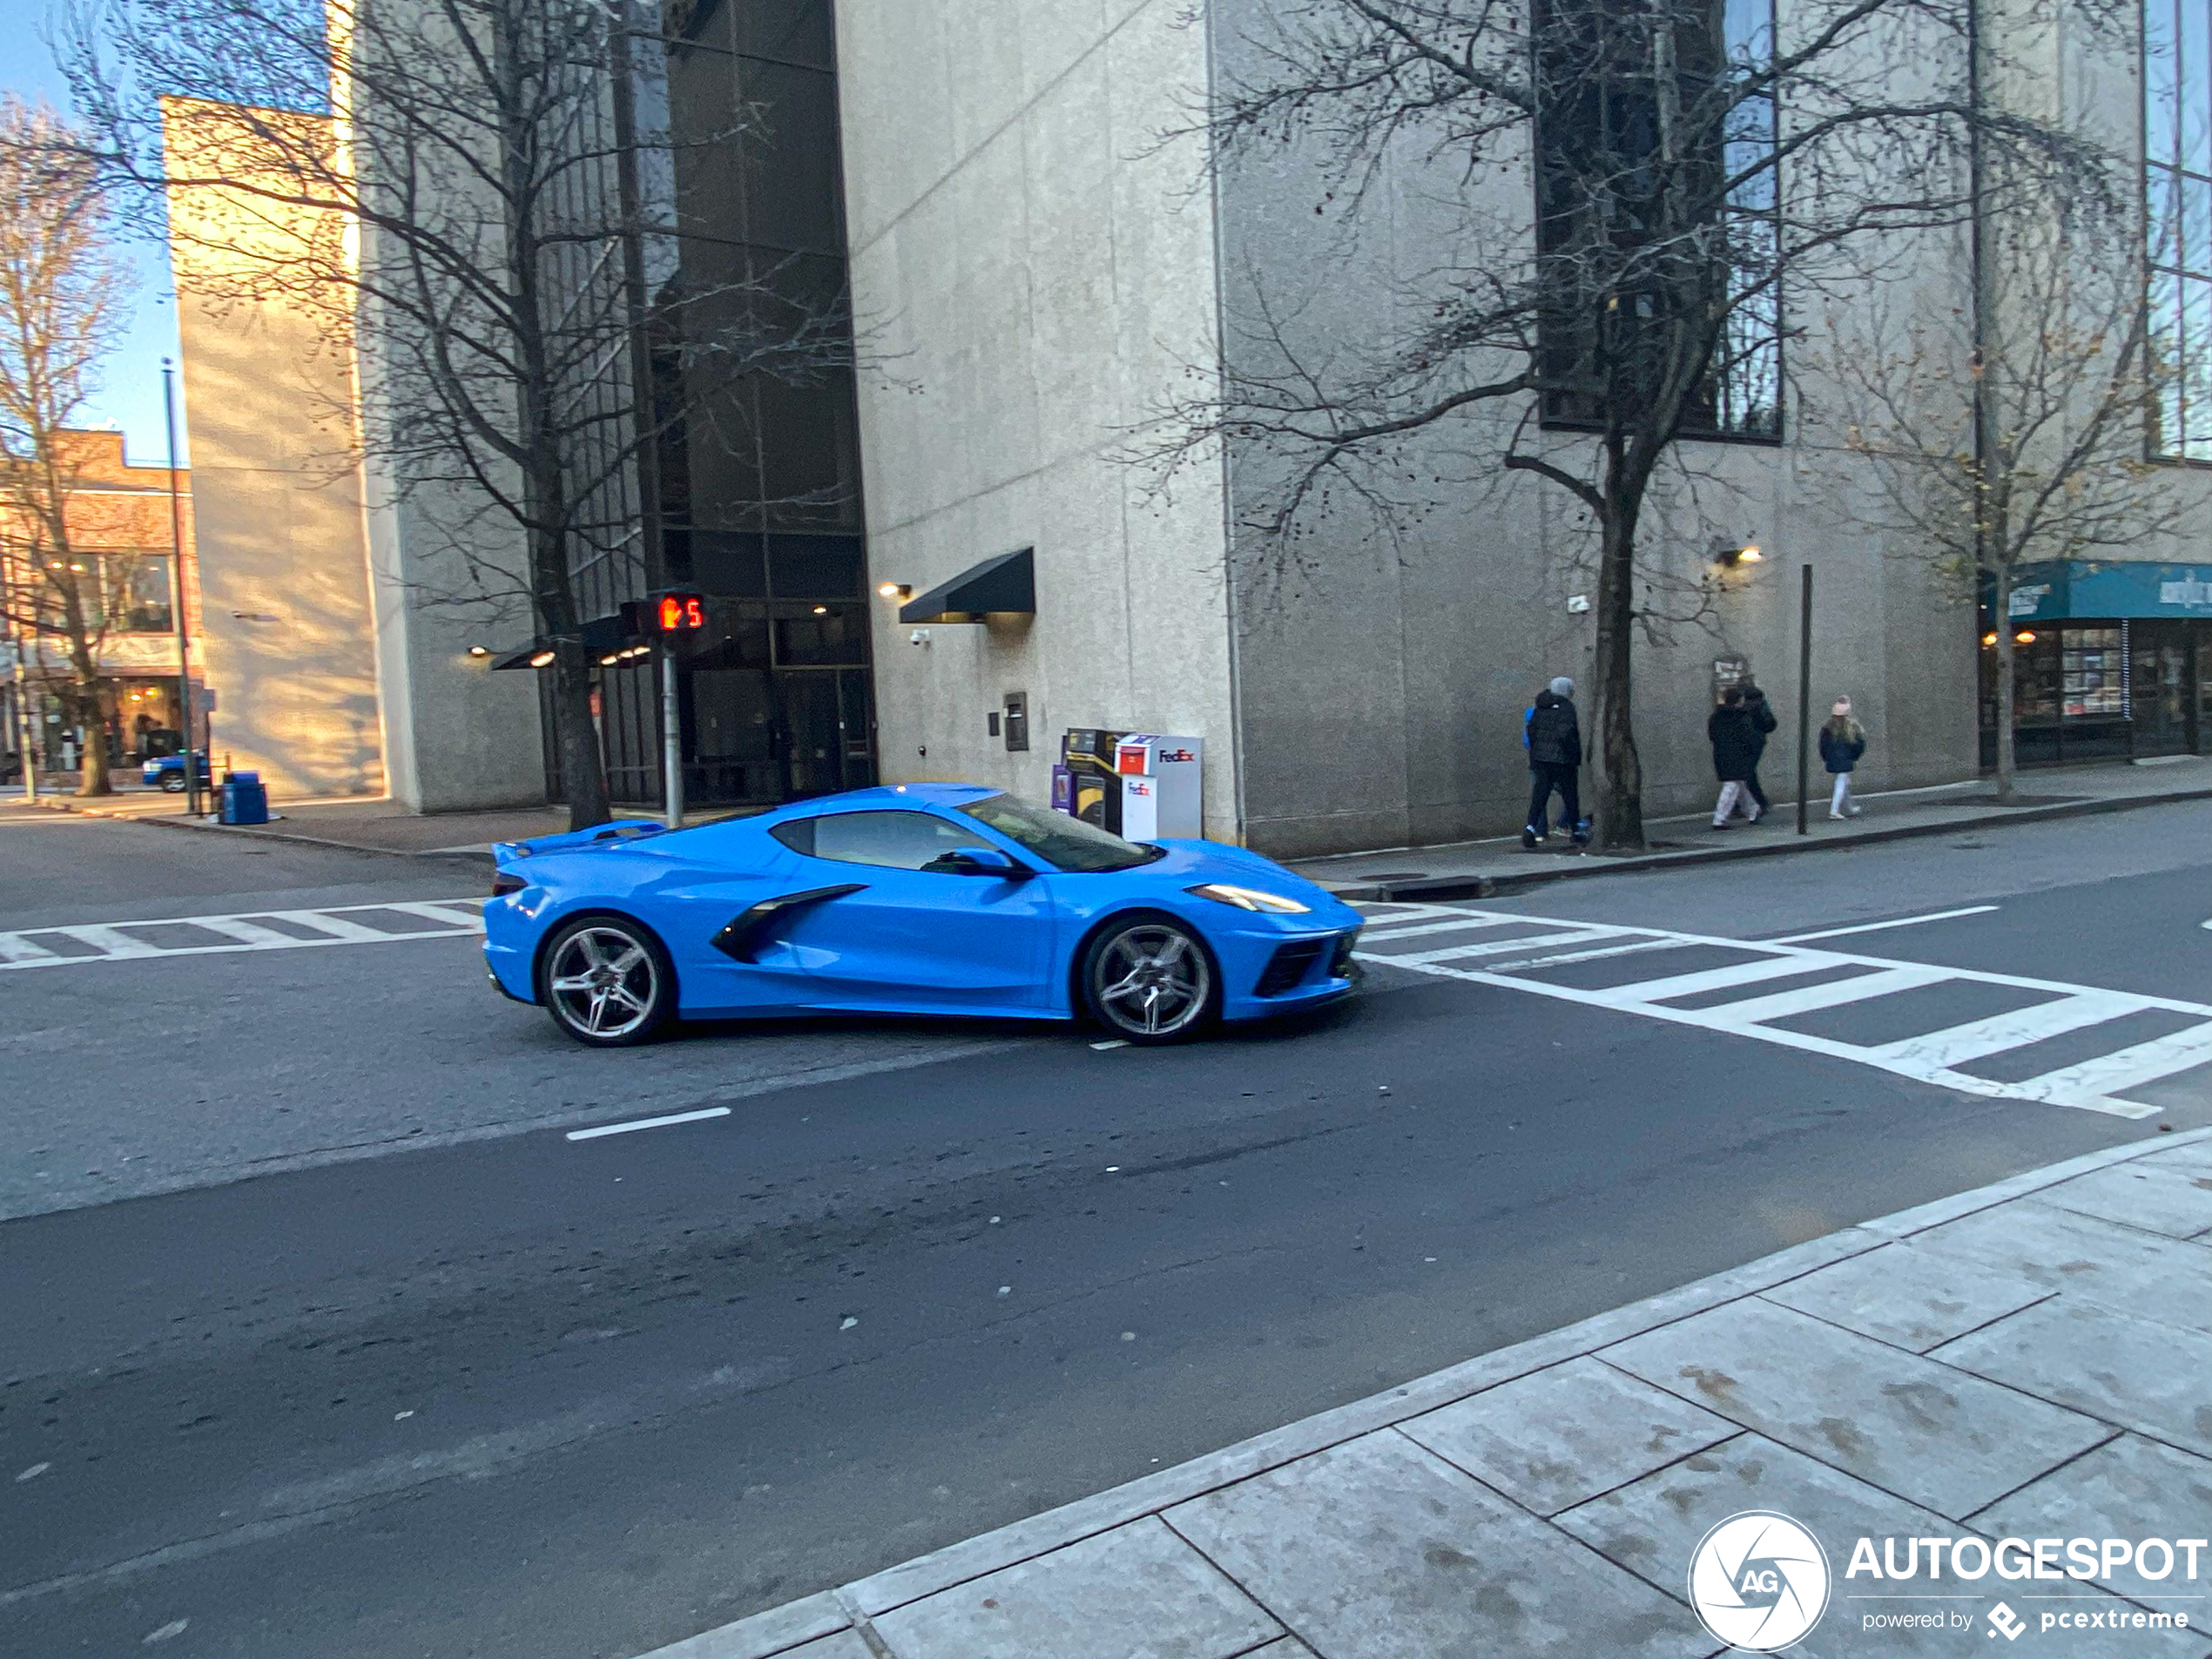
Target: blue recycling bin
[244,799]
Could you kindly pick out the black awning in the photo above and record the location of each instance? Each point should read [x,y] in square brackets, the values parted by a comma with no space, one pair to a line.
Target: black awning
[1006,582]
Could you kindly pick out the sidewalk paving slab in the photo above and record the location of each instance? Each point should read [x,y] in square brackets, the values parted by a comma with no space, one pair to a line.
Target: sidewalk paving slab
[1947,1440]
[1484,868]
[2066,1357]
[2141,1374]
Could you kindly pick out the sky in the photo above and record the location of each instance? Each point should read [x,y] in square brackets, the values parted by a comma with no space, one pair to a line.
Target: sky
[131,391]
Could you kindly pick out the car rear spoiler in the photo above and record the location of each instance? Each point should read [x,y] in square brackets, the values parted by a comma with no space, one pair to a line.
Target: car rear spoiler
[504,853]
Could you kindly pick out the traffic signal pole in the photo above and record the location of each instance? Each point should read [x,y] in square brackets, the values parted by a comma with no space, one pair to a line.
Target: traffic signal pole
[672,735]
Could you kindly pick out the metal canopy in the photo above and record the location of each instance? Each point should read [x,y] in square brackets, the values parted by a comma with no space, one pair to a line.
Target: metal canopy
[1007,582]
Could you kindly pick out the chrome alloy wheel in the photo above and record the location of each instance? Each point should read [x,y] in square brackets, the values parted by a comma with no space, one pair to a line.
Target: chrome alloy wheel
[602,982]
[1153,979]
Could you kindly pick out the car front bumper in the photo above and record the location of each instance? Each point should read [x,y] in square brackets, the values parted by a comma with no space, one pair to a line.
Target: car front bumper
[1272,971]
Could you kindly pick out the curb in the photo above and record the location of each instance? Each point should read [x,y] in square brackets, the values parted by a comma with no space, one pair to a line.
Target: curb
[164,821]
[777,1630]
[1486,887]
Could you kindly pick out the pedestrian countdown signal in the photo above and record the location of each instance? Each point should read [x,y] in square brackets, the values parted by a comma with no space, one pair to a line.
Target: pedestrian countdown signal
[680,613]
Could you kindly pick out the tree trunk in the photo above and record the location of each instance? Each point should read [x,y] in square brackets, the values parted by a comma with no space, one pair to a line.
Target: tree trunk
[93,777]
[2001,622]
[1619,770]
[583,777]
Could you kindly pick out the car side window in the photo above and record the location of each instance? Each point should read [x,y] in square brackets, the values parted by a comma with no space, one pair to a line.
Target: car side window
[893,841]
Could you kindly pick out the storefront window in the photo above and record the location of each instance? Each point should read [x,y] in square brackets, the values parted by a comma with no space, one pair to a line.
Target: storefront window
[2094,665]
[2098,690]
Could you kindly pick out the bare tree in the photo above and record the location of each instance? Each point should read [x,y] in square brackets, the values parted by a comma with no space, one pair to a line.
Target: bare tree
[2017,438]
[477,195]
[63,300]
[1693,171]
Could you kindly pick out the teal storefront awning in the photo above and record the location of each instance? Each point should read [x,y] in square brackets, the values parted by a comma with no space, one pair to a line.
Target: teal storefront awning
[2069,589]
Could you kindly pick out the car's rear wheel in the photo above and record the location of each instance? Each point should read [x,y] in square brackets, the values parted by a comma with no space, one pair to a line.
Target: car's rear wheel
[1150,979]
[607,981]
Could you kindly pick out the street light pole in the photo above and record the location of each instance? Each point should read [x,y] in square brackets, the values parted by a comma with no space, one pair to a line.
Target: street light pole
[176,597]
[19,648]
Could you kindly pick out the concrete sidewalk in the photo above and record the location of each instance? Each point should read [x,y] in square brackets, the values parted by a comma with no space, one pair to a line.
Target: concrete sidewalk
[2033,1360]
[1480,869]
[358,825]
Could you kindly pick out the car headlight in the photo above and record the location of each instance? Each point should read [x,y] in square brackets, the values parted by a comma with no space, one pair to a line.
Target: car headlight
[1250,899]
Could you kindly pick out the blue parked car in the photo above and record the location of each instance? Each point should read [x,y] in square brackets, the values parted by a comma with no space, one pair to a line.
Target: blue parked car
[168,771]
[908,899]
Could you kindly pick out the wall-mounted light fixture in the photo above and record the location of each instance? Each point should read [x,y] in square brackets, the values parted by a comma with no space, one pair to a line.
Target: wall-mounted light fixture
[821,611]
[539,659]
[895,589]
[2025,637]
[1989,639]
[479,650]
[1728,554]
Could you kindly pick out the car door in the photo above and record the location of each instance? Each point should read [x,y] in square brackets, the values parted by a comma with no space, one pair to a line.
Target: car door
[912,936]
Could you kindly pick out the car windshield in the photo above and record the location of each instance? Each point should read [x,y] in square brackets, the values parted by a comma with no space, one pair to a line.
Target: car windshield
[1064,842]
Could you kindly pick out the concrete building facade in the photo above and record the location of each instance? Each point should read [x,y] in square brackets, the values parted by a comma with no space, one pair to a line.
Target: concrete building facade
[1058,265]
[1042,262]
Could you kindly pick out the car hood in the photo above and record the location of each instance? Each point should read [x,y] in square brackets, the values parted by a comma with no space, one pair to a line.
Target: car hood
[1188,863]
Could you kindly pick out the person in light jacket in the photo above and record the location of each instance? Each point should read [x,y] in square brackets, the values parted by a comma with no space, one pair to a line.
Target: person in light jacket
[1736,756]
[1842,741]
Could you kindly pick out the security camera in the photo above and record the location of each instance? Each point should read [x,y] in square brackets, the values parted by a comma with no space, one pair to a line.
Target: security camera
[919,636]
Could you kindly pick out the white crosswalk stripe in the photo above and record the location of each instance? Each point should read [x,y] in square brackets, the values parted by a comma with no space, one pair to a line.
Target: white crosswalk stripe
[250,930]
[2100,1084]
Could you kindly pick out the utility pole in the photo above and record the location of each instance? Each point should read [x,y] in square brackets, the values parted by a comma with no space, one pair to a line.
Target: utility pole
[177,608]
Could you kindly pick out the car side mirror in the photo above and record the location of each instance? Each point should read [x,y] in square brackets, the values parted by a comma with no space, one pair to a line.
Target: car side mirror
[980,860]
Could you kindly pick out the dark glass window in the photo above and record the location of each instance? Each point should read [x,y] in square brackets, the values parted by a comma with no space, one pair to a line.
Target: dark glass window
[816,567]
[897,840]
[1622,296]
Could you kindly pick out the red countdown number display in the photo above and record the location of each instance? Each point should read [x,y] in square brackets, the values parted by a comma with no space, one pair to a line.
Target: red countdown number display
[680,613]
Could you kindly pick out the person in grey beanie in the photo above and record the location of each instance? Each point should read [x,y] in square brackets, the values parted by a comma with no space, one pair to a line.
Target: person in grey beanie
[1554,737]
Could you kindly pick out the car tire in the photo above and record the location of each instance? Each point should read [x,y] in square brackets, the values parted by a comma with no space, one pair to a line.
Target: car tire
[1149,978]
[607,981]
[172,783]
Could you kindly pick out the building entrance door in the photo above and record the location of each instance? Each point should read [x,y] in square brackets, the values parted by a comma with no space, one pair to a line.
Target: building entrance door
[2159,682]
[827,741]
[734,737]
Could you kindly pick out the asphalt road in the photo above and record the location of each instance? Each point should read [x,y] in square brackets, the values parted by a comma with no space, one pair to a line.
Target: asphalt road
[378,1362]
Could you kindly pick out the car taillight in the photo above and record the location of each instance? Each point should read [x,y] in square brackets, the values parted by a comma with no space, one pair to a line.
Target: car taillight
[502,884]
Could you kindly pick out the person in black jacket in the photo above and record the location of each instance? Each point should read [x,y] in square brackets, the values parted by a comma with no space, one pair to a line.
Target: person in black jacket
[1555,739]
[1736,756]
[1763,724]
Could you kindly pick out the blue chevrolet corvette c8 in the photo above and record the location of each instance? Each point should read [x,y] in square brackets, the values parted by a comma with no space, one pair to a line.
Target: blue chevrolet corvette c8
[907,899]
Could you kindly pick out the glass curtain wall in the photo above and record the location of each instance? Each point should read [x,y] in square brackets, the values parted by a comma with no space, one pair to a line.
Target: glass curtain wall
[748,485]
[2177,177]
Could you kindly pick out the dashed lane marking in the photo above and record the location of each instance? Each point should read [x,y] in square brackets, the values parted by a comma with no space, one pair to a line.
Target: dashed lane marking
[1750,1005]
[79,943]
[600,1131]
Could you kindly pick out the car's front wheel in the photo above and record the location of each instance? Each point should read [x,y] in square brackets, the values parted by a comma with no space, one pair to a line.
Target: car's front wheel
[1150,979]
[607,981]
[172,783]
